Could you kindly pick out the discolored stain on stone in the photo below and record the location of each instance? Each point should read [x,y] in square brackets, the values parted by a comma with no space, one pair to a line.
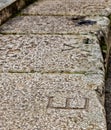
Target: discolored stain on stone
[86,22]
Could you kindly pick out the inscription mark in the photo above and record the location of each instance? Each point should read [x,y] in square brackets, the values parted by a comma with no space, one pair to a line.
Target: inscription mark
[69,47]
[68,104]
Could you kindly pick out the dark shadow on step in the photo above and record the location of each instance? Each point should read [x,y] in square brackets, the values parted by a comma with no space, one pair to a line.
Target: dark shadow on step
[108,95]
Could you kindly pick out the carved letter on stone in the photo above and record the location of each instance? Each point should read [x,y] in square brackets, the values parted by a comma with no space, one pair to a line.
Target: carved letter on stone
[68,47]
[68,103]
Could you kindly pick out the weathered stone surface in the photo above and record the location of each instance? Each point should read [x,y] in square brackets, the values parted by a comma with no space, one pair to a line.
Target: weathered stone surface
[54,24]
[5,3]
[50,53]
[70,7]
[51,66]
[18,53]
[47,7]
[89,7]
[10,7]
[50,102]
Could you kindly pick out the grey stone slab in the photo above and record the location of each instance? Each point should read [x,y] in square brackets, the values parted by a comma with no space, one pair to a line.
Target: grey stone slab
[54,24]
[69,7]
[10,7]
[89,7]
[5,3]
[47,7]
[51,102]
[50,53]
[69,54]
[18,53]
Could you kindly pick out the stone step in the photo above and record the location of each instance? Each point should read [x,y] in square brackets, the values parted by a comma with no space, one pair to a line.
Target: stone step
[52,74]
[10,7]
[69,7]
[55,24]
[51,102]
[50,53]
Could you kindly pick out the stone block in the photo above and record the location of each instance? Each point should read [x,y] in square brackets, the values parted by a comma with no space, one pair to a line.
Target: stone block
[51,102]
[55,25]
[69,7]
[50,53]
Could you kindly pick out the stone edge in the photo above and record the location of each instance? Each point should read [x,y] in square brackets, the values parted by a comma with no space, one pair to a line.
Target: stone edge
[10,8]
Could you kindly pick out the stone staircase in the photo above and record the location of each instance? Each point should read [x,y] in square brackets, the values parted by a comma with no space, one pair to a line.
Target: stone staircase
[53,56]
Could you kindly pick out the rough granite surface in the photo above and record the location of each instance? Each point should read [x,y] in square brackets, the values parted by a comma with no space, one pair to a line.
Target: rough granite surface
[52,68]
[50,102]
[70,7]
[26,53]
[54,24]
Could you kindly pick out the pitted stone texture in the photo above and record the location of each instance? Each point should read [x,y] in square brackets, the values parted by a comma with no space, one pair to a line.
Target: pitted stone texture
[50,102]
[69,54]
[70,7]
[50,53]
[54,24]
[89,7]
[18,53]
[47,7]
